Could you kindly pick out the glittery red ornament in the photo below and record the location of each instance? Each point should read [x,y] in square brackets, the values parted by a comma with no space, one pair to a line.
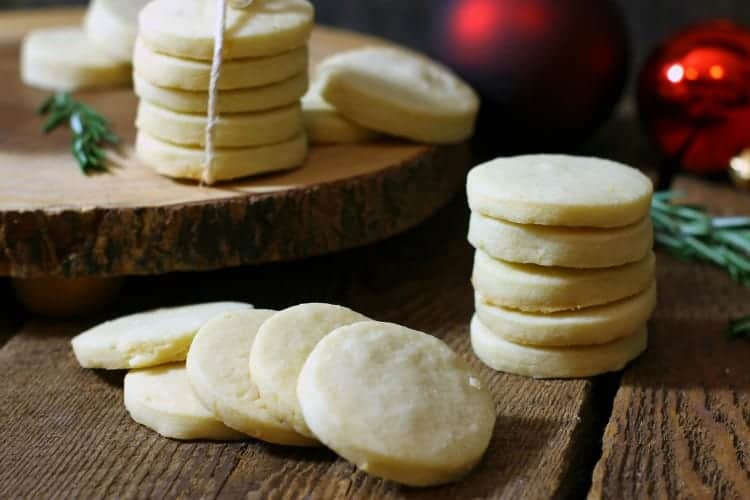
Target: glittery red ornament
[694,96]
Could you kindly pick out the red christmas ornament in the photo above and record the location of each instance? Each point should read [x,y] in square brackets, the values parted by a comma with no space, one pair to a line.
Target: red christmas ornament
[549,72]
[694,96]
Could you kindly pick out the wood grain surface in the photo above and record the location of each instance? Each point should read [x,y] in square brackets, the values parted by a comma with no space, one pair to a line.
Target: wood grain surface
[56,221]
[680,426]
[65,429]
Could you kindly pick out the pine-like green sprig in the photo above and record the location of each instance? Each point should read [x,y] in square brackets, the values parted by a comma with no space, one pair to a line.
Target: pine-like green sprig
[689,233]
[91,132]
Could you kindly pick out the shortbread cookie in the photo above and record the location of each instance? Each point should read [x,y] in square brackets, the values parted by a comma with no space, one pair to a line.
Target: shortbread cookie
[184,162]
[64,59]
[529,287]
[593,325]
[397,403]
[112,26]
[325,125]
[271,96]
[185,28]
[554,362]
[400,93]
[281,348]
[218,371]
[232,130]
[559,190]
[148,338]
[161,399]
[187,74]
[561,246]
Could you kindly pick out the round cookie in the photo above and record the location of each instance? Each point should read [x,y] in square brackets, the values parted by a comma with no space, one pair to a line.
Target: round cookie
[325,125]
[281,348]
[232,130]
[590,326]
[554,362]
[64,59]
[185,28]
[271,96]
[398,403]
[533,288]
[559,190]
[218,372]
[400,93]
[148,338]
[189,74]
[561,246]
[161,399]
[113,25]
[229,163]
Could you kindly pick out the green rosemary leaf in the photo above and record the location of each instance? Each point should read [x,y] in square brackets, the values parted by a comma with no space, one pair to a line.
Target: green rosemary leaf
[739,328]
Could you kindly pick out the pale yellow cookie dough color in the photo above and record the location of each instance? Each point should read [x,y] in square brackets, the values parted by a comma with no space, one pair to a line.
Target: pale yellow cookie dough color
[561,246]
[229,163]
[281,348]
[555,362]
[218,371]
[400,93]
[271,96]
[559,190]
[533,288]
[112,26]
[185,28]
[325,125]
[232,130]
[398,403]
[148,338]
[64,59]
[161,399]
[593,325]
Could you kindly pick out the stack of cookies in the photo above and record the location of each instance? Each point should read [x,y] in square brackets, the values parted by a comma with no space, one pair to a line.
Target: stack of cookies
[263,76]
[564,271]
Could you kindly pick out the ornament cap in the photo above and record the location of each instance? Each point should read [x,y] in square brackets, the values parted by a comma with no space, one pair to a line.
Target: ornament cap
[739,169]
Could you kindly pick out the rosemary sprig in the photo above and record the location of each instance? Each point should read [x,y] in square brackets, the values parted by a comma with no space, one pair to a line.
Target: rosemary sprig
[688,232]
[91,131]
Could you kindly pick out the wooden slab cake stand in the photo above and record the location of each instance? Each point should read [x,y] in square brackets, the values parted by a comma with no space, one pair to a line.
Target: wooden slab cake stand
[57,222]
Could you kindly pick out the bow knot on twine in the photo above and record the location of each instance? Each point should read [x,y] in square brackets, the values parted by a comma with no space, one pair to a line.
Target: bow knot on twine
[213,87]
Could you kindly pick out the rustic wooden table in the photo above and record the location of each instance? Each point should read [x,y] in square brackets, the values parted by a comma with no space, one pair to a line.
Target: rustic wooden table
[674,424]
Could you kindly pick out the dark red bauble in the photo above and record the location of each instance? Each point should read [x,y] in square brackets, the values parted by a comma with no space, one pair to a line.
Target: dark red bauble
[694,96]
[549,72]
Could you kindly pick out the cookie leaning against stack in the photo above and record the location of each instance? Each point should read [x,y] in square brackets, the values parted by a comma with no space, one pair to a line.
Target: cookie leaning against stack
[263,76]
[564,273]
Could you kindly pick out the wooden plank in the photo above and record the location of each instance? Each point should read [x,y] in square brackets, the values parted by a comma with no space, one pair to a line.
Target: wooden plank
[65,429]
[680,425]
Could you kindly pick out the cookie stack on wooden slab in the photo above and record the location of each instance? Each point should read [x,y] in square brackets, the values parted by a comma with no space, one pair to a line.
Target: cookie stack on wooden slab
[263,76]
[564,272]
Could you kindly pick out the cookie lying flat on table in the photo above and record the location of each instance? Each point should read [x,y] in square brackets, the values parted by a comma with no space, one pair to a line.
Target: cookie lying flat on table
[398,403]
[593,325]
[218,371]
[271,96]
[325,125]
[162,399]
[559,190]
[232,130]
[561,246]
[146,339]
[399,93]
[554,362]
[189,74]
[229,163]
[281,348]
[529,287]
[185,28]
[64,59]
[113,25]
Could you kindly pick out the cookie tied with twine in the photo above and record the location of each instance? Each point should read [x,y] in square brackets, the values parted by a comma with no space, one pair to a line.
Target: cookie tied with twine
[213,89]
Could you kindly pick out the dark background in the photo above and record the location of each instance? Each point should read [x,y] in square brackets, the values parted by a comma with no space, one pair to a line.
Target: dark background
[403,20]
